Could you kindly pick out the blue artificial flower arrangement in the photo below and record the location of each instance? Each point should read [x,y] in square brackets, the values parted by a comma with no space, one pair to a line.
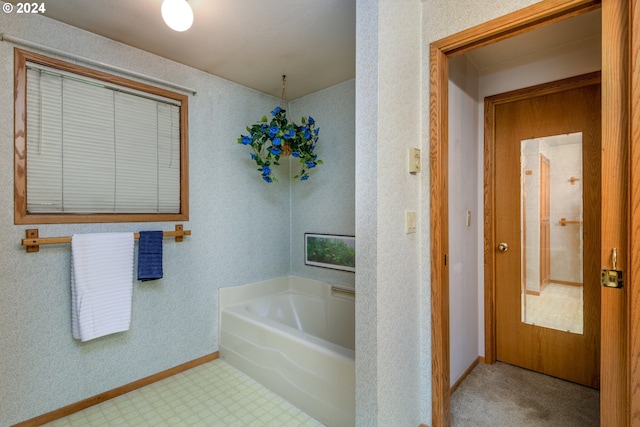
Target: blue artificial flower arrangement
[269,140]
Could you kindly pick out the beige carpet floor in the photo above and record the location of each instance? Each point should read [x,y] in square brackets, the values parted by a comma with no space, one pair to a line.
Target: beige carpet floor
[504,395]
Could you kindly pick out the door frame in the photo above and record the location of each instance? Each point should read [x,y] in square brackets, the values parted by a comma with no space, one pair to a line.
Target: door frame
[620,388]
[634,215]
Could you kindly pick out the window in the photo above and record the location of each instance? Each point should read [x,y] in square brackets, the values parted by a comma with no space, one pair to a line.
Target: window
[95,147]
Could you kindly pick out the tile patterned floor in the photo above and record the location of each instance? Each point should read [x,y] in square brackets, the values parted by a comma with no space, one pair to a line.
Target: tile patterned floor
[558,307]
[210,395]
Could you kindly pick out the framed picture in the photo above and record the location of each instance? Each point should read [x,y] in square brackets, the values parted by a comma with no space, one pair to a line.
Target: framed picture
[330,251]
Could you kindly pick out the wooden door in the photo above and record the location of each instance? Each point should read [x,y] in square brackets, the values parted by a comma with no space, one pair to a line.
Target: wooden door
[558,108]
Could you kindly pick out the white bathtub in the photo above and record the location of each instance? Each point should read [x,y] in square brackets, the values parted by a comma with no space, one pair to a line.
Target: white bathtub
[297,337]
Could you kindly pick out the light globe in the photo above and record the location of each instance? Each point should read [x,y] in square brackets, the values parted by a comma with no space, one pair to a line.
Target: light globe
[177,14]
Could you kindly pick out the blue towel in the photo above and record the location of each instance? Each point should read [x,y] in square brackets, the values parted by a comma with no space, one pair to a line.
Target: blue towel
[150,255]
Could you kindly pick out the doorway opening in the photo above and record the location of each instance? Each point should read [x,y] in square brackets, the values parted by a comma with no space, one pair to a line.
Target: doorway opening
[441,52]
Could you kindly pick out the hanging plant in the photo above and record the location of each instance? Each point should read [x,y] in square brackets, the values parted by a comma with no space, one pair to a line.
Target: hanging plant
[270,140]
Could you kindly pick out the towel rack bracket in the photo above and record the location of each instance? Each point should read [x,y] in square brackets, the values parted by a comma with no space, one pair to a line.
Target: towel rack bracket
[32,233]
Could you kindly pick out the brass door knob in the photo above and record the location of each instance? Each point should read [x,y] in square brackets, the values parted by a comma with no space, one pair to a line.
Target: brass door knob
[503,247]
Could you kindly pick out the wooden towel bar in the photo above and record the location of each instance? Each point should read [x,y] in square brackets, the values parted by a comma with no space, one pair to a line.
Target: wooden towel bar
[564,221]
[33,242]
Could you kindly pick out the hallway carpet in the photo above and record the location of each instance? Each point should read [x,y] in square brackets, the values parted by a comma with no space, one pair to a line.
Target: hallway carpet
[505,395]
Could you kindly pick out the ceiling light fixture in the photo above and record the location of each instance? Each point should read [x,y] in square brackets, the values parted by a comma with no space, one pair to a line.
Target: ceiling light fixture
[177,14]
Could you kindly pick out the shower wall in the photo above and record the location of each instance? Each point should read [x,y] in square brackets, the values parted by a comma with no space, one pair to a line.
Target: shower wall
[566,202]
[326,202]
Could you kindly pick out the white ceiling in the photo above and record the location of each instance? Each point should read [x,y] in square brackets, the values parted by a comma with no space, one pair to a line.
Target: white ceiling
[250,42]
[255,42]
[584,28]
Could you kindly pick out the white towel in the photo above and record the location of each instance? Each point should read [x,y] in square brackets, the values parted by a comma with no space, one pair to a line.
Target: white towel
[101,284]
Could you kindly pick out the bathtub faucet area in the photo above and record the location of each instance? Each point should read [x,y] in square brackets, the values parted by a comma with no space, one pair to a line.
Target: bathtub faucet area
[297,337]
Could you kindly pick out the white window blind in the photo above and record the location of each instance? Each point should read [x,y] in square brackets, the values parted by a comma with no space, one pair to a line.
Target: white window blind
[98,148]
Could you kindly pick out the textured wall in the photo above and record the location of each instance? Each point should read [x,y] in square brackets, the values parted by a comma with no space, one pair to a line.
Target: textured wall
[367,113]
[326,202]
[387,280]
[399,308]
[240,228]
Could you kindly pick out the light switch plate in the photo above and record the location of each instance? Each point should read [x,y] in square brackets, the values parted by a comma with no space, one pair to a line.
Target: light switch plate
[414,160]
[410,222]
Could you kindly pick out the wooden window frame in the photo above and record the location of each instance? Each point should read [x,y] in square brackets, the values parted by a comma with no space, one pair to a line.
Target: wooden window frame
[21,216]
